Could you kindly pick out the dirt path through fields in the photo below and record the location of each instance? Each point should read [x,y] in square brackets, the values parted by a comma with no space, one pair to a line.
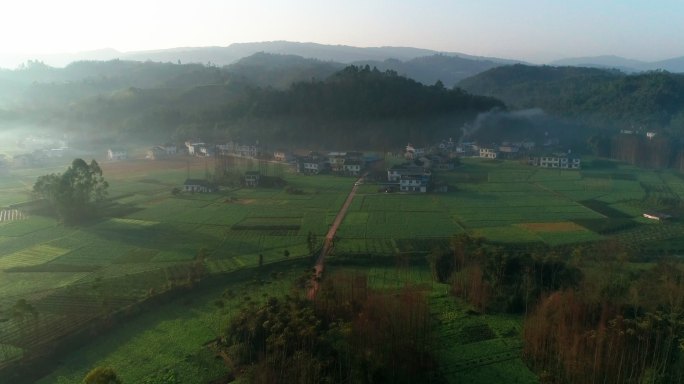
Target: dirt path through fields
[328,242]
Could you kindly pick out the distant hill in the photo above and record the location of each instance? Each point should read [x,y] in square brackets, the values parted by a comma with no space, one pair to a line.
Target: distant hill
[339,53]
[607,61]
[265,69]
[672,65]
[58,59]
[220,56]
[429,69]
[40,85]
[603,98]
[675,65]
[280,71]
[260,69]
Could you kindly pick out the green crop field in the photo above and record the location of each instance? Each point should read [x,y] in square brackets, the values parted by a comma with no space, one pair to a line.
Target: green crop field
[150,239]
[169,339]
[509,202]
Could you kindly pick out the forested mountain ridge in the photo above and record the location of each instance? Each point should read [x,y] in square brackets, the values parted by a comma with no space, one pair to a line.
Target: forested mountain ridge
[603,98]
[675,64]
[361,92]
[429,69]
[356,106]
[280,71]
[260,69]
[37,85]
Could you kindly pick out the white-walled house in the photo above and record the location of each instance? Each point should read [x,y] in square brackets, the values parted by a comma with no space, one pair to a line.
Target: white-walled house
[198,185]
[352,167]
[488,153]
[311,164]
[252,179]
[410,178]
[196,148]
[556,161]
[117,154]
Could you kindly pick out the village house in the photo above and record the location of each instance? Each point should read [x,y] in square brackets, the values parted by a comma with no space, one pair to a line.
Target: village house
[251,151]
[508,151]
[336,161]
[441,163]
[252,179]
[198,185]
[526,145]
[657,216]
[413,153]
[467,149]
[347,163]
[155,153]
[170,149]
[197,148]
[447,145]
[413,183]
[488,153]
[117,154]
[312,164]
[236,149]
[282,156]
[410,178]
[352,167]
[557,160]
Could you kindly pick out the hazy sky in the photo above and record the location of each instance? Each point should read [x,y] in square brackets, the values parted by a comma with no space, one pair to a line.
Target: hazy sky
[534,30]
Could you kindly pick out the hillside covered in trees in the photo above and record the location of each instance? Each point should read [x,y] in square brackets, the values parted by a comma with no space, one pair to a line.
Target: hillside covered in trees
[598,97]
[123,100]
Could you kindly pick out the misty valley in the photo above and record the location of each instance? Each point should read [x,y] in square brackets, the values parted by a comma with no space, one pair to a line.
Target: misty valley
[301,213]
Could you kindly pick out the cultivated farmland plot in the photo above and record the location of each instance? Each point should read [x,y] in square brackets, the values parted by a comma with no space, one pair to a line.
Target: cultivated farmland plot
[512,203]
[153,240]
[149,244]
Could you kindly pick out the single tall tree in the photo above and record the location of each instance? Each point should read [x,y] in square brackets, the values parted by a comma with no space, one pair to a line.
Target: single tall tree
[74,193]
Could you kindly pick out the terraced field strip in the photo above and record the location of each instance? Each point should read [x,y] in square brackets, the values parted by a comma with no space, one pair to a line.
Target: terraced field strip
[35,255]
[7,215]
[651,232]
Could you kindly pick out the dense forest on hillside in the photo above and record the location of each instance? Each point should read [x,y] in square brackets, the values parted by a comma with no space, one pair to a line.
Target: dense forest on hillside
[603,98]
[287,99]
[355,106]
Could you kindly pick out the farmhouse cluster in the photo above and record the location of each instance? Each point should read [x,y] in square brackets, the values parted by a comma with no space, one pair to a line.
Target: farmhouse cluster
[339,163]
[36,151]
[549,155]
[415,174]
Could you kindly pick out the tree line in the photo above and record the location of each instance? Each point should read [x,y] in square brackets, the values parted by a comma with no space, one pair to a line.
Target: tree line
[589,314]
[599,97]
[356,105]
[350,333]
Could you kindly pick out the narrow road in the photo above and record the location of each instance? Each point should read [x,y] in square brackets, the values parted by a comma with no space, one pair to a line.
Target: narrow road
[328,242]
